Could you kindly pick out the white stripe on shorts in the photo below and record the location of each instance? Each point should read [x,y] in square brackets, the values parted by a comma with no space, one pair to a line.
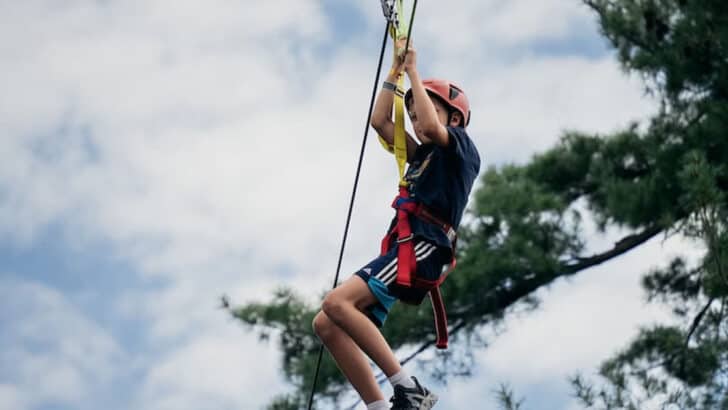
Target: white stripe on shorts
[392,276]
[419,249]
[384,272]
[419,256]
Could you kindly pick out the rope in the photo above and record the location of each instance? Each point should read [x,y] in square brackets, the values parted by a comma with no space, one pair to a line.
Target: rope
[356,178]
[353,196]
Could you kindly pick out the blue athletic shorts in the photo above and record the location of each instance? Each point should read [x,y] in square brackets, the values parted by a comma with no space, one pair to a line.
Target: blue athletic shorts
[380,274]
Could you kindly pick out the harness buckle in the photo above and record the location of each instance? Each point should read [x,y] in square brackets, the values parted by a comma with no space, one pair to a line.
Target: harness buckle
[451,234]
[403,203]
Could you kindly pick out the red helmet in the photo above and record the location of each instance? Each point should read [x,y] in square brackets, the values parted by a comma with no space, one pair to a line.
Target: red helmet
[450,94]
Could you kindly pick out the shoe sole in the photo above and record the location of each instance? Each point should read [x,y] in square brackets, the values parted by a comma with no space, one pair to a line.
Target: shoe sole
[428,402]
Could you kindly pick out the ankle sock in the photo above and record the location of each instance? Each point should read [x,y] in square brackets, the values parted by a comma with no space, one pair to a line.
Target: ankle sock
[378,405]
[403,379]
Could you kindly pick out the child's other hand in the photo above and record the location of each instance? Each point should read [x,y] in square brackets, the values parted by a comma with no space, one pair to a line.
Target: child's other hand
[410,60]
[398,61]
[397,66]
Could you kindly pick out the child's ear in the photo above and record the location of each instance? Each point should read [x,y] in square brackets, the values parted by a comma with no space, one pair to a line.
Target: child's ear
[456,119]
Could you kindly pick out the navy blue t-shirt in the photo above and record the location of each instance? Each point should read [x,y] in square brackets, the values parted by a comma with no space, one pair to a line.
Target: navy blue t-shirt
[441,178]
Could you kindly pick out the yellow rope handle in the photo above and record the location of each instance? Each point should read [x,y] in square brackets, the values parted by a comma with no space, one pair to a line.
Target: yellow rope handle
[400,136]
[399,149]
[387,146]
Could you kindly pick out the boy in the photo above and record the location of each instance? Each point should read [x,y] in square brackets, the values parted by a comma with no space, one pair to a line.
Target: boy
[441,173]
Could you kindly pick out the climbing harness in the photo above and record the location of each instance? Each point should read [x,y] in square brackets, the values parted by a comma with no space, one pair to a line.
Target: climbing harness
[410,287]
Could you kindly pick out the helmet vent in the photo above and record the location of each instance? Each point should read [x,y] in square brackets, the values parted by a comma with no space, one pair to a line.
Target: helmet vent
[454,93]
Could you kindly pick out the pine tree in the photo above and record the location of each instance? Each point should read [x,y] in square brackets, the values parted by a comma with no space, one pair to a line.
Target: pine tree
[680,48]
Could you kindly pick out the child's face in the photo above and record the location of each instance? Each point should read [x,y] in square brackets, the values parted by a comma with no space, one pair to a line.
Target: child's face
[442,116]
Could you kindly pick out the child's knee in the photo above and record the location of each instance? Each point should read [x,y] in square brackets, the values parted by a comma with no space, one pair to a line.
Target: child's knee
[333,306]
[323,326]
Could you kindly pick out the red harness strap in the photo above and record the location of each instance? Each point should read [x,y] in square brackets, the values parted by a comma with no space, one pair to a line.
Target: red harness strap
[401,233]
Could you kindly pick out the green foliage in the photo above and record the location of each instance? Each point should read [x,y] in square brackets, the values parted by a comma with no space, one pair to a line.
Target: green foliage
[289,319]
[679,47]
[507,400]
[676,43]
[287,402]
[684,364]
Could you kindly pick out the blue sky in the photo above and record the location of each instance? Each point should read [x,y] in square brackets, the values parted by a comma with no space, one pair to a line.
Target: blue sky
[151,149]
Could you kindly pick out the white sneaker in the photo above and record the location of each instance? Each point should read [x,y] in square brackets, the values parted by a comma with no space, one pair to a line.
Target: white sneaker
[415,398]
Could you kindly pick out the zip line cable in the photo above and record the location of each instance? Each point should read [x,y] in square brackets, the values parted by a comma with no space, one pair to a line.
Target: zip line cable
[358,174]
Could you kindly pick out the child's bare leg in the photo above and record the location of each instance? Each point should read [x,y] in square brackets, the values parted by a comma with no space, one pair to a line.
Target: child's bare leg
[348,357]
[344,306]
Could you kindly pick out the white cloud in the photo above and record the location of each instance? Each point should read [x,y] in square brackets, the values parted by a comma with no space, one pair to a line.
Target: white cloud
[12,398]
[505,24]
[473,25]
[216,370]
[524,108]
[52,351]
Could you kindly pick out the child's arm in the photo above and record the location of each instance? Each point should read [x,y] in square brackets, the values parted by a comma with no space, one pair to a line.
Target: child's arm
[381,119]
[429,124]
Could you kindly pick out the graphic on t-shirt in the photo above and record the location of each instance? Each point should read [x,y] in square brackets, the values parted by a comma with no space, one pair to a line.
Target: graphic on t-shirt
[417,172]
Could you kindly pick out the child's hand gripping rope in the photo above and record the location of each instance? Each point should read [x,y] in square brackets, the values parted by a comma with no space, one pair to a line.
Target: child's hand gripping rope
[404,60]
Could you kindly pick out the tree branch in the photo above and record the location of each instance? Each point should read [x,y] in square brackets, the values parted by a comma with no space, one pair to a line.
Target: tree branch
[697,320]
[622,246]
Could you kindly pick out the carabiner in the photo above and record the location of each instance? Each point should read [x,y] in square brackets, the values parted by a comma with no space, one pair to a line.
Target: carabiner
[390,12]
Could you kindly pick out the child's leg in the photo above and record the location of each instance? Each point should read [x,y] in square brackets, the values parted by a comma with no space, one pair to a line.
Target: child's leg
[345,329]
[344,306]
[349,357]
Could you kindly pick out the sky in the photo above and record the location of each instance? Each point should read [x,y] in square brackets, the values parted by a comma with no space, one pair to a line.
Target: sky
[157,154]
